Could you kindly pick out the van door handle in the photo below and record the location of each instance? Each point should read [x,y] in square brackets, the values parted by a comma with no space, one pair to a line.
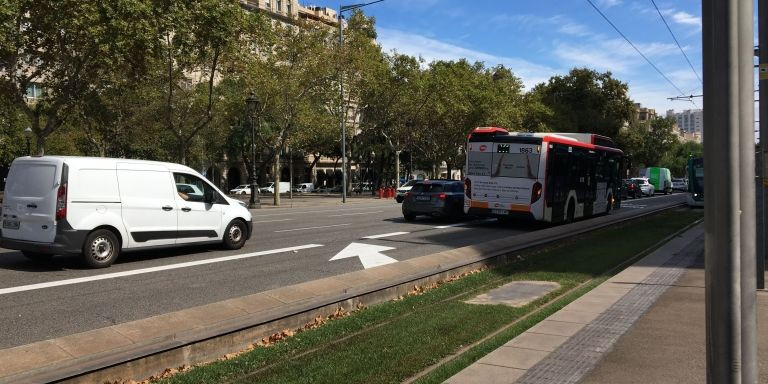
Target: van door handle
[31,205]
[167,208]
[186,209]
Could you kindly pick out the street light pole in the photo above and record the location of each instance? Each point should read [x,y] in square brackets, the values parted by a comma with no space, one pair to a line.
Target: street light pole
[252,104]
[28,135]
[342,9]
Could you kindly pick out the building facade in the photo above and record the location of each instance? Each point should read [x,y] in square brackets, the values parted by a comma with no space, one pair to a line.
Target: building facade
[690,121]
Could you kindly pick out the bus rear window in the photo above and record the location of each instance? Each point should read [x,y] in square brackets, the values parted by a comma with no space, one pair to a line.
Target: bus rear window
[515,160]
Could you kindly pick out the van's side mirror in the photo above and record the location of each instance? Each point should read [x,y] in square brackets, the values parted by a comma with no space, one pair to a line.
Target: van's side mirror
[208,196]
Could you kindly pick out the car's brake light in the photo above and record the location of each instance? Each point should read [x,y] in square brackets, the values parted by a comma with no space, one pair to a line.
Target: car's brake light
[61,202]
[441,196]
[536,192]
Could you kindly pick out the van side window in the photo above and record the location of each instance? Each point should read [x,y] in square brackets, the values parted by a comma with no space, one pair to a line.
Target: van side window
[193,188]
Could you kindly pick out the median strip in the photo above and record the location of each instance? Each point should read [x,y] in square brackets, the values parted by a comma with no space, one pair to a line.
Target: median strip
[394,341]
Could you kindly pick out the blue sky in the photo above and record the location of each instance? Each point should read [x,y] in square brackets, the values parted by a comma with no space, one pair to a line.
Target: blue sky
[542,38]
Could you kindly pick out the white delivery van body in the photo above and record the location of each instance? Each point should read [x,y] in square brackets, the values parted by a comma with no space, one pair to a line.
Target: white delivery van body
[97,207]
[304,188]
[285,187]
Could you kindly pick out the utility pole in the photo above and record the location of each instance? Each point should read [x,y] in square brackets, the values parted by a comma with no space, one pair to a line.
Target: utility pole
[729,157]
[762,166]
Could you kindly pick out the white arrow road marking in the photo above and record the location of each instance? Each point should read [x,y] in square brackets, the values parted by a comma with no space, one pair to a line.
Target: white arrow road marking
[369,254]
[386,235]
[105,276]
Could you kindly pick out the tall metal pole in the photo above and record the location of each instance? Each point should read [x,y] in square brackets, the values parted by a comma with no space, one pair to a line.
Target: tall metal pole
[343,116]
[729,162]
[762,233]
[290,172]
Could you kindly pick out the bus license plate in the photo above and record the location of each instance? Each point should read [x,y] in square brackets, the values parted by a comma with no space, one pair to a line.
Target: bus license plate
[500,211]
[10,224]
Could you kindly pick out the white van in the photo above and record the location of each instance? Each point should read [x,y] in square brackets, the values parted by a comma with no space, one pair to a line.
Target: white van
[98,207]
[285,187]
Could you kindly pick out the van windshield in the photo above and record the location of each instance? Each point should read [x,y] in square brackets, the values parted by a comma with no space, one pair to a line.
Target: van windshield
[31,180]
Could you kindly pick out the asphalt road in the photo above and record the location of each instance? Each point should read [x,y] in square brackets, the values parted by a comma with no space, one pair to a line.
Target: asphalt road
[289,246]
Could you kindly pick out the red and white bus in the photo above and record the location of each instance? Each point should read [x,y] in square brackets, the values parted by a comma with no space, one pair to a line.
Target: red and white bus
[552,177]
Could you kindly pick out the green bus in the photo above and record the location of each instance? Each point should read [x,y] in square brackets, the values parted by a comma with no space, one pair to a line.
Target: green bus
[695,170]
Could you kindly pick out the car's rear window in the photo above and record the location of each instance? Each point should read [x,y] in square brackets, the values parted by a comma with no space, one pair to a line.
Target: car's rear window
[31,180]
[432,188]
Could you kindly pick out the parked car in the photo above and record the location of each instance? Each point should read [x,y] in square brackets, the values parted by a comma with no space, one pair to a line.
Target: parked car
[304,188]
[646,188]
[244,189]
[285,187]
[98,208]
[403,189]
[680,185]
[439,198]
[631,189]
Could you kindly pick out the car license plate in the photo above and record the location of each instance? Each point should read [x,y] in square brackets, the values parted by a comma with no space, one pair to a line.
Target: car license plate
[10,224]
[500,211]
[422,198]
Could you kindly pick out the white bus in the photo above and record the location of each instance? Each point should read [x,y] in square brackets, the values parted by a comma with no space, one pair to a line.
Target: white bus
[552,177]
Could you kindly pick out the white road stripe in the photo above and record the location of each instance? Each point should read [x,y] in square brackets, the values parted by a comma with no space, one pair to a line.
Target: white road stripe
[106,276]
[385,235]
[355,214]
[272,221]
[464,224]
[303,229]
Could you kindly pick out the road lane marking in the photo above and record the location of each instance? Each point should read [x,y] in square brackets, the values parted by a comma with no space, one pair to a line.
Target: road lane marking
[354,214]
[385,235]
[324,210]
[134,272]
[272,221]
[464,224]
[304,229]
[370,255]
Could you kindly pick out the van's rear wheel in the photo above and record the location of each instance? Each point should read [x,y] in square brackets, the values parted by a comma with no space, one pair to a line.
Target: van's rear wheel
[101,249]
[37,256]
[234,236]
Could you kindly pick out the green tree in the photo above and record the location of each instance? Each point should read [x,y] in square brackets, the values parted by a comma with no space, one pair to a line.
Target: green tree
[63,49]
[586,101]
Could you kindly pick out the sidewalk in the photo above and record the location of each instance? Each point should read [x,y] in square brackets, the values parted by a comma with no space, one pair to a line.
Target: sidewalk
[644,325]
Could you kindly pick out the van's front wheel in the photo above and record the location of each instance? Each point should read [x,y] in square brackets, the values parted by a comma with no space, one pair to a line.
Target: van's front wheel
[234,236]
[101,249]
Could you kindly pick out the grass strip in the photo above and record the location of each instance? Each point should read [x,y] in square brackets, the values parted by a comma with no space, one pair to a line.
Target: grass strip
[393,341]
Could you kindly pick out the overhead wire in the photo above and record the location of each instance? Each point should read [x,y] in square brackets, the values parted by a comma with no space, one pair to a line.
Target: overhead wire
[636,49]
[676,42]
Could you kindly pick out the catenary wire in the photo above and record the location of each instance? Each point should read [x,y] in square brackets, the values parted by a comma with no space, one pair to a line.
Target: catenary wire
[676,42]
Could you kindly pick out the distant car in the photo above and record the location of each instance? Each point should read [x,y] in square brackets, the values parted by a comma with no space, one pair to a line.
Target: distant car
[404,189]
[645,186]
[631,189]
[323,189]
[243,189]
[304,188]
[438,198]
[680,185]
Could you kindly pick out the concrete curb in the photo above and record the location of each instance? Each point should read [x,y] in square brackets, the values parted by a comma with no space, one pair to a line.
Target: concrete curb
[139,349]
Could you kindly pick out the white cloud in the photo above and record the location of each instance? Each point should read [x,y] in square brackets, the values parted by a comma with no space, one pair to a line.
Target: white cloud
[614,55]
[609,3]
[685,18]
[431,50]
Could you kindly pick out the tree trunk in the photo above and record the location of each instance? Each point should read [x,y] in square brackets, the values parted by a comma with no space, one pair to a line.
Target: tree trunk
[397,169]
[182,151]
[40,144]
[277,178]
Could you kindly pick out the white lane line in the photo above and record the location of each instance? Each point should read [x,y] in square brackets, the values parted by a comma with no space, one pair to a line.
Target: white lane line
[355,214]
[272,221]
[105,276]
[303,229]
[324,210]
[385,235]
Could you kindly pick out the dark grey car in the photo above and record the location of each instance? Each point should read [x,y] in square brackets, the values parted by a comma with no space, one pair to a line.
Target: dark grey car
[439,198]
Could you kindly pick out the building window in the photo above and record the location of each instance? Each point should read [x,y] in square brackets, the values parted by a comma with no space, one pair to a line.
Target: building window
[290,7]
[268,4]
[279,6]
[34,91]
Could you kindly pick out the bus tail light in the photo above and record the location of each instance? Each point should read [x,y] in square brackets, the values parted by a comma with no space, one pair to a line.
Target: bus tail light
[536,192]
[468,188]
[441,196]
[61,202]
